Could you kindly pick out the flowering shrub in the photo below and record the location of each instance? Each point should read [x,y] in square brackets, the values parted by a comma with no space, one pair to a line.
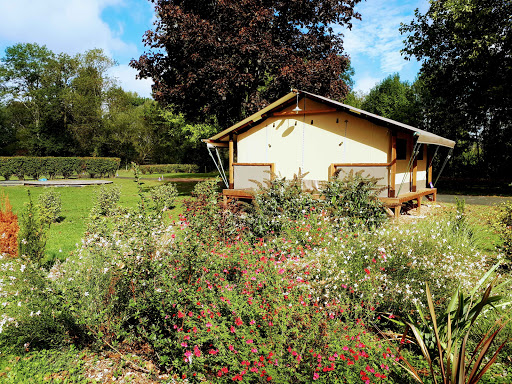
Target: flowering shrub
[164,196]
[107,197]
[277,204]
[8,229]
[355,198]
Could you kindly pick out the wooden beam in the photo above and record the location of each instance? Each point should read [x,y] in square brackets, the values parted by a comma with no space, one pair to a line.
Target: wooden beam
[308,112]
[332,170]
[231,159]
[392,174]
[414,174]
[429,169]
[361,164]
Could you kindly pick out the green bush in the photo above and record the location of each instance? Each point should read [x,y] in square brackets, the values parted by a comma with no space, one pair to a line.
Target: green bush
[502,223]
[168,168]
[164,196]
[50,206]
[36,167]
[355,199]
[277,204]
[6,168]
[106,199]
[33,234]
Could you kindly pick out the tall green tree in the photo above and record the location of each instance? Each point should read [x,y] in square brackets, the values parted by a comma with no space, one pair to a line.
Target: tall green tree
[229,58]
[394,99]
[465,47]
[89,93]
[33,83]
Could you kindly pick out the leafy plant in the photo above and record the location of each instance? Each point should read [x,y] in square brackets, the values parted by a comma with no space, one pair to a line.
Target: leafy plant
[33,233]
[277,203]
[50,206]
[355,198]
[502,223]
[164,196]
[444,340]
[107,197]
[8,228]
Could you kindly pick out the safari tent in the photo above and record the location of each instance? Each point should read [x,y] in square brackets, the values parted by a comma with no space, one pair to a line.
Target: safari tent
[324,137]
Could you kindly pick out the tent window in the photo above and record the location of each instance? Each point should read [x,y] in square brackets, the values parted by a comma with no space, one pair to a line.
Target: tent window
[401,149]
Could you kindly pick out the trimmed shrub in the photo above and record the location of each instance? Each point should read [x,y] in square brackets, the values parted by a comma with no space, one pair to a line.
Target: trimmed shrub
[8,229]
[36,167]
[169,168]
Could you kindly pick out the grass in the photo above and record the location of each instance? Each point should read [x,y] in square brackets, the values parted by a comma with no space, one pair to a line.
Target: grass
[78,201]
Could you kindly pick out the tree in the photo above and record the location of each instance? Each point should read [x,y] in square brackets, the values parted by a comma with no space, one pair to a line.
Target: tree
[227,59]
[89,92]
[33,82]
[395,100]
[466,51]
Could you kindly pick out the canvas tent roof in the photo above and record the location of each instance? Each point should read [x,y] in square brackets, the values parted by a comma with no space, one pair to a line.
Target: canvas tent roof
[424,137]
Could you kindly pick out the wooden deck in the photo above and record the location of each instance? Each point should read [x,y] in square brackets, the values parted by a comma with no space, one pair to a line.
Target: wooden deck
[396,202]
[390,202]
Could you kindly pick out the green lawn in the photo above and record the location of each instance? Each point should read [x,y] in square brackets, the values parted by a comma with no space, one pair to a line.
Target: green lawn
[77,203]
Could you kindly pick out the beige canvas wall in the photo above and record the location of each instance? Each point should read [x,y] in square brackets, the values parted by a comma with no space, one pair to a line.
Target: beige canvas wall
[312,142]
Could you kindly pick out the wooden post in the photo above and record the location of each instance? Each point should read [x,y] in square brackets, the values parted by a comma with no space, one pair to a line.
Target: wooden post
[418,209]
[429,169]
[331,171]
[414,174]
[231,159]
[392,176]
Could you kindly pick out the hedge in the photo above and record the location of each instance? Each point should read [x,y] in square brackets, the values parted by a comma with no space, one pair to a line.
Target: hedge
[169,168]
[35,167]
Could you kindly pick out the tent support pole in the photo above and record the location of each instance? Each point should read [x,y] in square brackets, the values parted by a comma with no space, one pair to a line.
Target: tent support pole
[411,161]
[444,164]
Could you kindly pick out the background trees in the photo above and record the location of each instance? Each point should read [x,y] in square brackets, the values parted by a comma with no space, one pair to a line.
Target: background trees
[466,51]
[228,59]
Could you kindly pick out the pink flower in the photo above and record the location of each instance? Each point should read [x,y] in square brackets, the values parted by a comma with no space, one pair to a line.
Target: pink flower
[197,352]
[208,325]
[316,376]
[184,345]
[249,341]
[254,350]
[280,271]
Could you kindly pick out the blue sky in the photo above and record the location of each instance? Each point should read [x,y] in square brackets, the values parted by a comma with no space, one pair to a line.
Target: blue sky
[117,26]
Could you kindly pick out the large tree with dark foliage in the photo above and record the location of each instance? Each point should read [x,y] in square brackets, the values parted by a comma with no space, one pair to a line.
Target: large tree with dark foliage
[228,58]
[466,51]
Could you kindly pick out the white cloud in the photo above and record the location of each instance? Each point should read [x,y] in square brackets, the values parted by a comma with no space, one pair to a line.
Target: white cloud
[377,36]
[126,77]
[365,83]
[69,26]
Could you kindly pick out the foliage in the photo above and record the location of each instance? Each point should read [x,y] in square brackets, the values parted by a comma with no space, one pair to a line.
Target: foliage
[106,200]
[8,228]
[44,366]
[50,206]
[168,168]
[447,338]
[23,166]
[355,198]
[395,100]
[33,233]
[277,204]
[502,223]
[250,53]
[465,48]
[164,196]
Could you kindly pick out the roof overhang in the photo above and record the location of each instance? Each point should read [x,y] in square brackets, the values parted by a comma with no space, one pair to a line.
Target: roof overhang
[423,137]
